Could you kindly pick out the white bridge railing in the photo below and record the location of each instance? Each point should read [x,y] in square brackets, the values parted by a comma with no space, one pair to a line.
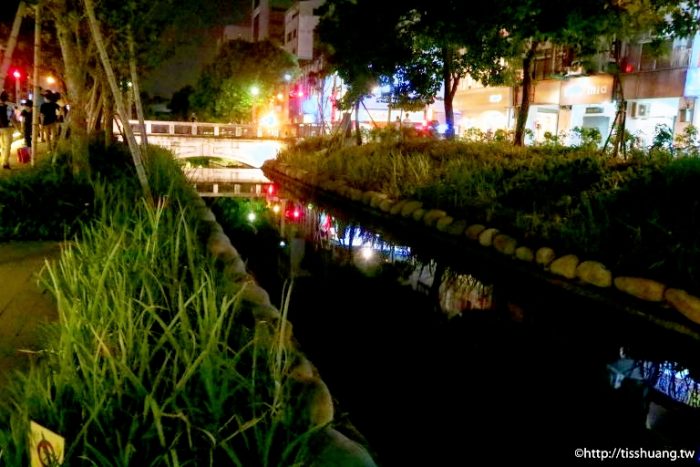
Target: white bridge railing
[223,130]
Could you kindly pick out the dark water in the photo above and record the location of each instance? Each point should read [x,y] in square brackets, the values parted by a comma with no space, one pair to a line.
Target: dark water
[484,388]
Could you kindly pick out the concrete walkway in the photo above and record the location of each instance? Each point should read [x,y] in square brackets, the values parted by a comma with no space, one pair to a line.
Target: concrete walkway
[24,306]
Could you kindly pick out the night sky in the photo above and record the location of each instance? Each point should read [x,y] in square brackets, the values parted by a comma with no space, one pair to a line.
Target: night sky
[7,11]
[184,66]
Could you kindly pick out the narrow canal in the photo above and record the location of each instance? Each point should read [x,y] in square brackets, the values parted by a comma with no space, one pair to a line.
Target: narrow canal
[459,376]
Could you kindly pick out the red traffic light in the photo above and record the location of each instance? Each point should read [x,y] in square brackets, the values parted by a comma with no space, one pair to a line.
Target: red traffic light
[17,74]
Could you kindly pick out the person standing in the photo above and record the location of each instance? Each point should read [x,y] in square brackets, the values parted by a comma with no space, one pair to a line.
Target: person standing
[7,116]
[26,115]
[49,119]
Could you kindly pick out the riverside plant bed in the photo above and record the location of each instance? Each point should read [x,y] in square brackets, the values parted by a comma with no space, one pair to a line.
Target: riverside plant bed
[473,191]
[165,350]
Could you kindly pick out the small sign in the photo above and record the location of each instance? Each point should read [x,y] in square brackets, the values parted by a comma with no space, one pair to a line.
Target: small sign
[594,110]
[45,447]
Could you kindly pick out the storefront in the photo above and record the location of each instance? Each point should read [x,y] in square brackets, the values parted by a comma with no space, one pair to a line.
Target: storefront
[487,109]
[653,99]
[586,103]
[543,117]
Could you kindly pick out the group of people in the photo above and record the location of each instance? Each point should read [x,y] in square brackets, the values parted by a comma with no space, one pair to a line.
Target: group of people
[51,115]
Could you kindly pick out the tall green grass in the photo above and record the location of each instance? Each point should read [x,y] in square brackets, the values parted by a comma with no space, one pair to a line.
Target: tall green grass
[152,361]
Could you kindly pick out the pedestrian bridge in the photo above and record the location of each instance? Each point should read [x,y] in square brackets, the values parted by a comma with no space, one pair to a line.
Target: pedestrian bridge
[242,148]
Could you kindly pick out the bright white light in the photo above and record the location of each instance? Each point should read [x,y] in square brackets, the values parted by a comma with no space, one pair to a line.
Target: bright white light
[287,77]
[269,119]
[442,128]
[376,90]
[367,252]
[276,208]
[254,90]
[251,217]
[282,243]
[50,80]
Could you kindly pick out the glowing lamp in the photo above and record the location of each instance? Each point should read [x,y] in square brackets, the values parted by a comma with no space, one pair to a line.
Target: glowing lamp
[271,189]
[17,74]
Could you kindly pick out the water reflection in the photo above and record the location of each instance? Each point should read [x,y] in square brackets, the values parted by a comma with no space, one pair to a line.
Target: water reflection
[527,366]
[369,251]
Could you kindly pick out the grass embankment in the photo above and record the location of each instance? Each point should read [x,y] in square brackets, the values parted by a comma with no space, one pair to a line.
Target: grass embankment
[152,361]
[640,215]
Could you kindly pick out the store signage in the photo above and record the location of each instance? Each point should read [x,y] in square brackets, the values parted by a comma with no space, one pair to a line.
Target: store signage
[587,90]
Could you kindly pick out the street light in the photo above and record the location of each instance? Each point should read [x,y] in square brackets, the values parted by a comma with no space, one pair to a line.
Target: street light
[17,76]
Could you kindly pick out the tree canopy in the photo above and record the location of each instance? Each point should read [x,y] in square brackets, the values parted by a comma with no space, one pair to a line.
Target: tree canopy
[225,90]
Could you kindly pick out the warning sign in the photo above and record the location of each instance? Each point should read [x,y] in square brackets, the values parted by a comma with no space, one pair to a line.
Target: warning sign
[45,447]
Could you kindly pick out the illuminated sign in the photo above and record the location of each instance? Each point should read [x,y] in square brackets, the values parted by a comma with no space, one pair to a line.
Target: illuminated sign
[495,98]
[587,90]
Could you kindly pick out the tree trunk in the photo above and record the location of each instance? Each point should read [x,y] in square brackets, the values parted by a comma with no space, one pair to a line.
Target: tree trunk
[10,47]
[618,95]
[75,84]
[35,80]
[358,134]
[451,82]
[93,108]
[107,66]
[136,87]
[107,114]
[524,110]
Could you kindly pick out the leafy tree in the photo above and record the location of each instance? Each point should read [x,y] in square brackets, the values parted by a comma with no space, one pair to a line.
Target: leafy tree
[415,47]
[453,39]
[224,90]
[180,103]
[361,60]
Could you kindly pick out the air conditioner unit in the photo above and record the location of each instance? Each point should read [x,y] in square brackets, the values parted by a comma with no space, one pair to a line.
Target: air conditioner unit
[640,110]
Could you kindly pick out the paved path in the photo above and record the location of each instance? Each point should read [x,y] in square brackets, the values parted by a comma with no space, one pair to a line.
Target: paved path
[24,306]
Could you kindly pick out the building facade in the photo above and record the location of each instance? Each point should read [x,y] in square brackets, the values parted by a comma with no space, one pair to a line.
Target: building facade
[660,89]
[267,20]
